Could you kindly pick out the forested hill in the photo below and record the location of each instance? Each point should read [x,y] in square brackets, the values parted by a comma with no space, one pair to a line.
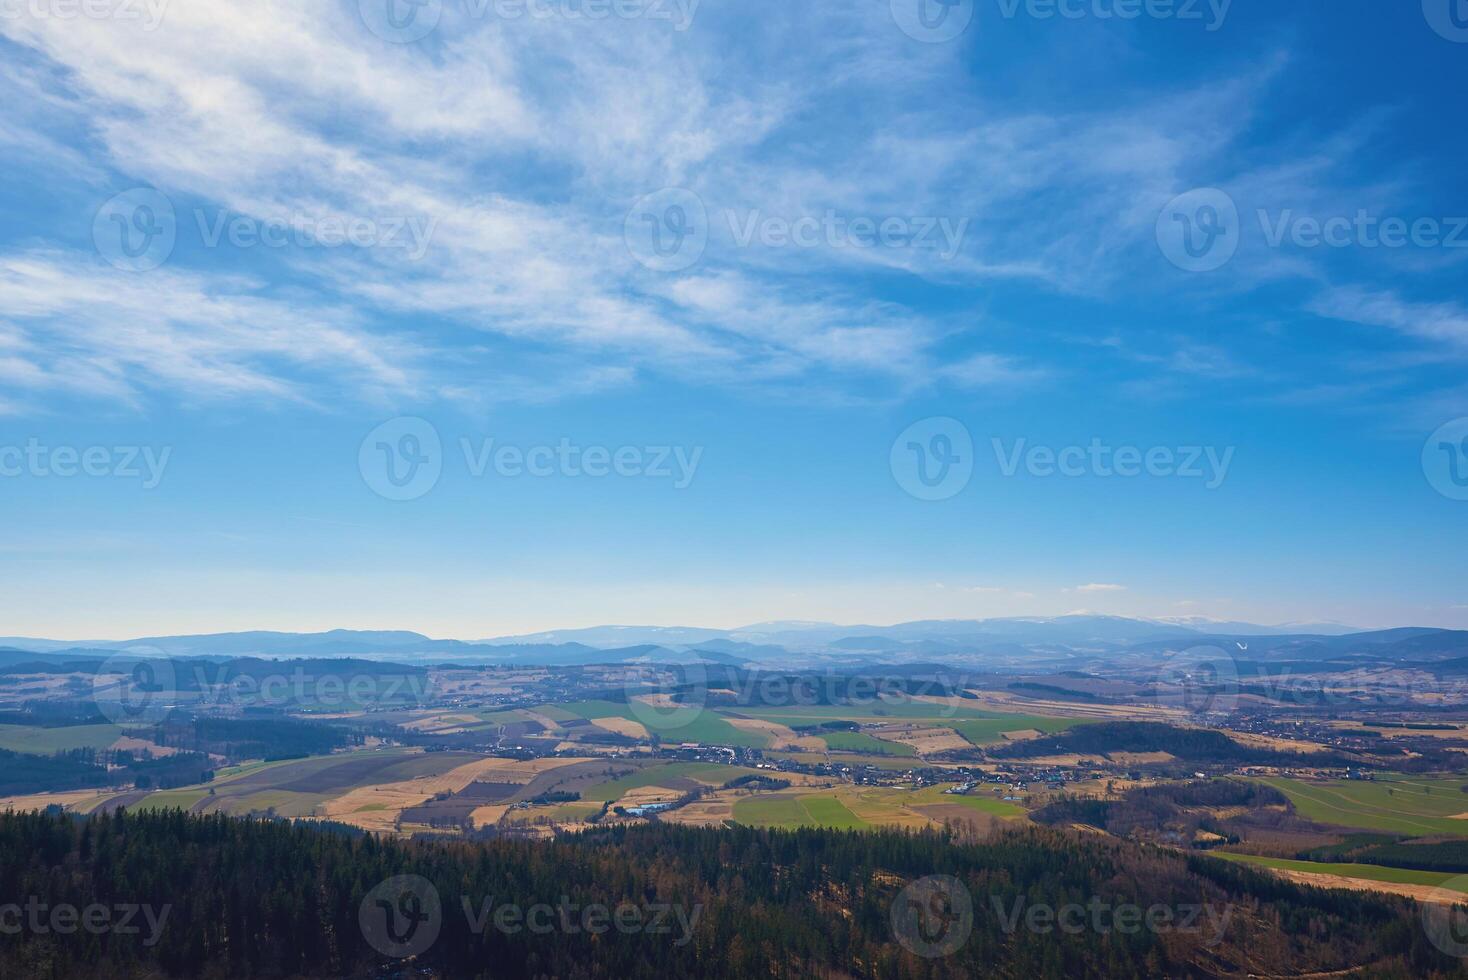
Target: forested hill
[272,899]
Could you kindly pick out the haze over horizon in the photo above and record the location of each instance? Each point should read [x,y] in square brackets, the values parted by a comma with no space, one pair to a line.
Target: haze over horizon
[640,633]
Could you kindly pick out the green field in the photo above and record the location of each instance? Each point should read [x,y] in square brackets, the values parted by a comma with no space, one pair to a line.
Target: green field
[863,743]
[891,763]
[559,812]
[811,714]
[859,809]
[48,741]
[172,799]
[1365,872]
[296,787]
[981,804]
[706,726]
[979,727]
[562,712]
[788,812]
[828,811]
[709,773]
[1413,805]
[784,812]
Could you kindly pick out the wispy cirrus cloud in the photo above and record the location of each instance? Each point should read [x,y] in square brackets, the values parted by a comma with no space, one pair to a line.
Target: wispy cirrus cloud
[522,144]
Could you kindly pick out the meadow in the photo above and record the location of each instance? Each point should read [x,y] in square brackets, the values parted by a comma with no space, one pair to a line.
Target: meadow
[1364,872]
[858,808]
[1413,805]
[48,741]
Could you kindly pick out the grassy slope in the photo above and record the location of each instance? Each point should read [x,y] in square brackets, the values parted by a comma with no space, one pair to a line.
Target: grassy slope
[829,811]
[1407,805]
[857,808]
[861,742]
[1365,872]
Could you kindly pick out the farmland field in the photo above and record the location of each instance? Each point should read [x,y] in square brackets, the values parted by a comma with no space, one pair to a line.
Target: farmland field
[790,811]
[706,726]
[809,714]
[861,742]
[783,812]
[861,808]
[1415,805]
[1365,872]
[829,811]
[977,726]
[671,775]
[987,731]
[46,741]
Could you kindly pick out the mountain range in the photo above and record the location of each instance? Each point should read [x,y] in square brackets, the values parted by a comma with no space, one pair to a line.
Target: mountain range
[1001,642]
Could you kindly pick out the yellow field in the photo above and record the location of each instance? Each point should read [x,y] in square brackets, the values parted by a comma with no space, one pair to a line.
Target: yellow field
[1275,744]
[1004,701]
[925,740]
[488,816]
[378,807]
[129,744]
[546,721]
[1139,758]
[623,726]
[782,737]
[39,801]
[707,812]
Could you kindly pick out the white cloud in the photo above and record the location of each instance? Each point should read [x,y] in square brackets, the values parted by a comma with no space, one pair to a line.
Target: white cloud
[1443,323]
[524,143]
[77,324]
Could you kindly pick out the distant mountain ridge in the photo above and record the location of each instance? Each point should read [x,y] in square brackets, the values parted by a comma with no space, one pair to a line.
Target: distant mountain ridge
[1005,640]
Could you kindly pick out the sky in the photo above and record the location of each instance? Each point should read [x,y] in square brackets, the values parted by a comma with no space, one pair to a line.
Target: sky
[479,317]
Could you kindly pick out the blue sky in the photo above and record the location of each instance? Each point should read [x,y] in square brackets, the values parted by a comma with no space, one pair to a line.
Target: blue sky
[744,255]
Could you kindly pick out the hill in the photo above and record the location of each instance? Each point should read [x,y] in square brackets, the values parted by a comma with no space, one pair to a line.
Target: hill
[224,897]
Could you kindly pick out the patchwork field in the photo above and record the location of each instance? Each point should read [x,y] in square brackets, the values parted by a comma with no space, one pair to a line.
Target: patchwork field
[706,727]
[678,776]
[855,807]
[1416,805]
[862,742]
[922,739]
[947,716]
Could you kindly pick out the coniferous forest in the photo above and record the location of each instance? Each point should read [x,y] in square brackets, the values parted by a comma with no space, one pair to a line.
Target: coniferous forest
[253,898]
